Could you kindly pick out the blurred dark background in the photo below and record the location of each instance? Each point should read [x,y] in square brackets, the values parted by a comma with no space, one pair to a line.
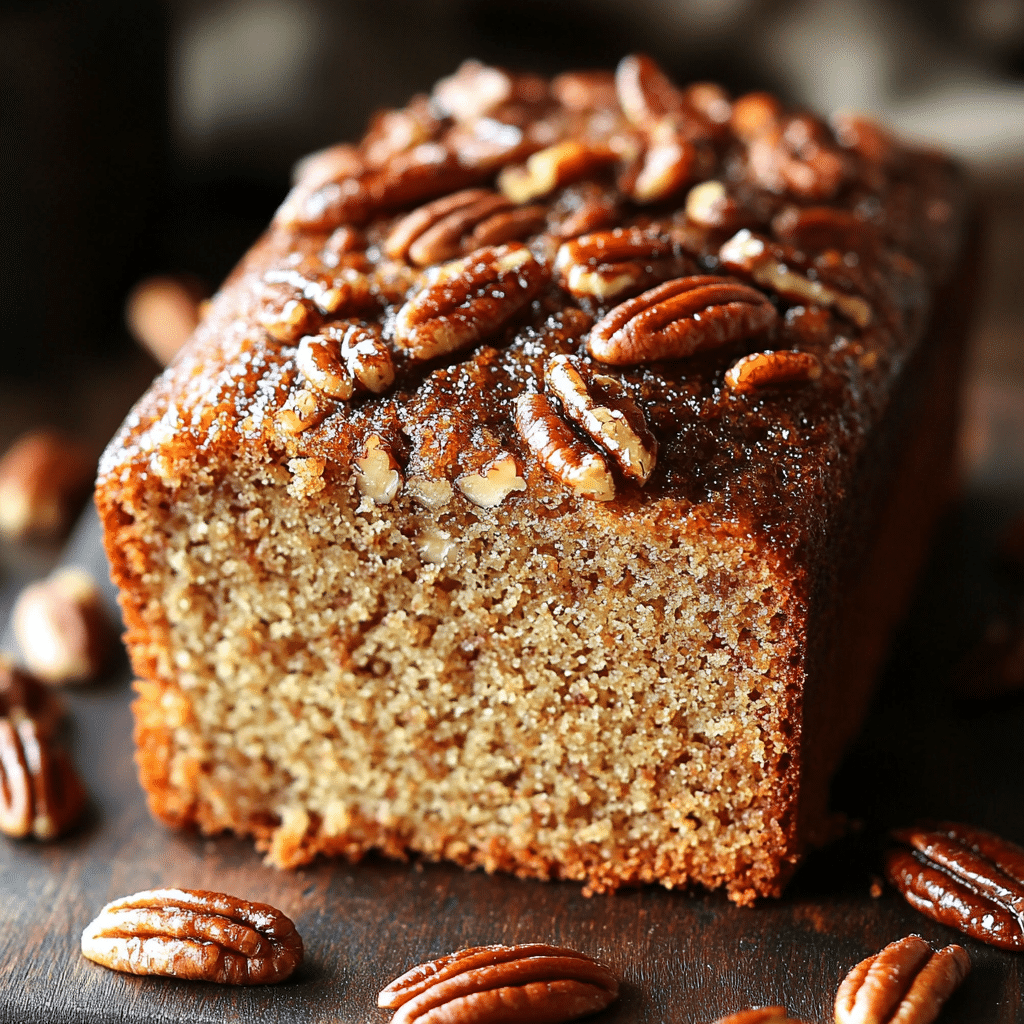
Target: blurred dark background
[146,137]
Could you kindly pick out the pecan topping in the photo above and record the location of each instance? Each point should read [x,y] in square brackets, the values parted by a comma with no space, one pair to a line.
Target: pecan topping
[679,318]
[378,476]
[501,983]
[301,411]
[290,314]
[40,792]
[490,486]
[466,300]
[797,156]
[195,935]
[585,207]
[286,318]
[709,205]
[645,93]
[818,228]
[759,1015]
[560,451]
[549,168]
[963,877]
[464,221]
[670,161]
[600,406]
[345,357]
[613,264]
[770,369]
[749,253]
[906,983]
[24,696]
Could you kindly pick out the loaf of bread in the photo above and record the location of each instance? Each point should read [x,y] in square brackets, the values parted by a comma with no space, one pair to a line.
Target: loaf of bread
[541,490]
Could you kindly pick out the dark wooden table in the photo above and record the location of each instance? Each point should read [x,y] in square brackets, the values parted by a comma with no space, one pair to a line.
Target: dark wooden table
[927,750]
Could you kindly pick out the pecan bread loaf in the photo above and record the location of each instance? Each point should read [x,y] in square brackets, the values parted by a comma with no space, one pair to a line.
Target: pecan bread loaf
[539,492]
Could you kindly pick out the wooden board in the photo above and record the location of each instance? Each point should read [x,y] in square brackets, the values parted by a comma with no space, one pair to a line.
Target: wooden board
[686,957]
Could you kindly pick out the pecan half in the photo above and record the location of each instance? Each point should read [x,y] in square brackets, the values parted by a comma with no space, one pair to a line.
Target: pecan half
[905,983]
[286,317]
[24,696]
[749,253]
[798,156]
[487,984]
[466,300]
[433,232]
[378,475]
[770,369]
[345,357]
[670,160]
[679,318]
[600,406]
[40,792]
[552,167]
[558,449]
[645,93]
[759,1015]
[585,90]
[613,264]
[963,877]
[302,410]
[196,935]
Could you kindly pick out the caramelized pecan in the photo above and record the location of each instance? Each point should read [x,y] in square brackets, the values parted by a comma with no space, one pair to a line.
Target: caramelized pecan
[345,357]
[397,131]
[796,155]
[963,877]
[558,449]
[302,410]
[906,983]
[818,228]
[492,483]
[378,475]
[40,792]
[679,318]
[585,207]
[485,984]
[759,1015]
[749,253]
[669,161]
[342,292]
[466,300]
[285,316]
[24,696]
[553,167]
[601,407]
[609,265]
[196,935]
[770,369]
[754,115]
[645,93]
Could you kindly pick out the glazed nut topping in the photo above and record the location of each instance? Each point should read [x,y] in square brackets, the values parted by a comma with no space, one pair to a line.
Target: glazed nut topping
[377,473]
[759,1015]
[62,627]
[300,412]
[679,318]
[709,205]
[40,792]
[601,407]
[552,167]
[610,265]
[288,321]
[194,935]
[906,983]
[24,696]
[494,483]
[771,369]
[558,449]
[466,300]
[347,290]
[492,984]
[645,93]
[345,357]
[965,878]
[747,253]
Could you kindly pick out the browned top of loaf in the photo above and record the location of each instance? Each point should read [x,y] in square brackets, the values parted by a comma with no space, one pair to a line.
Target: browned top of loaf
[570,198]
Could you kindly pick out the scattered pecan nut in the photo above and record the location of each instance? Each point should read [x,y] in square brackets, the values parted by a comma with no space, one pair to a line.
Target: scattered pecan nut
[759,1015]
[797,156]
[62,627]
[344,358]
[771,369]
[40,792]
[601,407]
[44,479]
[552,167]
[610,265]
[24,696]
[195,935]
[295,299]
[558,449]
[466,300]
[679,318]
[487,984]
[905,983]
[964,877]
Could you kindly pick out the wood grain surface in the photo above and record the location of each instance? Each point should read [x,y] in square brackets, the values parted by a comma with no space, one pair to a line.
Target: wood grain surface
[928,750]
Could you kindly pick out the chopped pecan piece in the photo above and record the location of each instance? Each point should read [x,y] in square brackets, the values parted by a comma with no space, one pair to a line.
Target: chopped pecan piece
[196,935]
[749,253]
[285,317]
[345,357]
[396,131]
[610,265]
[759,1015]
[963,877]
[645,93]
[485,984]
[301,411]
[466,300]
[679,318]
[476,90]
[710,205]
[770,369]
[560,451]
[585,207]
[552,167]
[798,156]
[40,792]
[378,475]
[601,407]
[906,983]
[754,115]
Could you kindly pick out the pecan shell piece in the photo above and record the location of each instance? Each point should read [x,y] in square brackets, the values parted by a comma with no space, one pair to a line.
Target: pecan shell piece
[495,984]
[466,300]
[600,406]
[964,877]
[905,983]
[196,935]
[679,318]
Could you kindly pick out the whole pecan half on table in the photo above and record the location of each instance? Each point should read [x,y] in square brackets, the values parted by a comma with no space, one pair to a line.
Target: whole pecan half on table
[905,983]
[195,935]
[496,984]
[759,1015]
[963,877]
